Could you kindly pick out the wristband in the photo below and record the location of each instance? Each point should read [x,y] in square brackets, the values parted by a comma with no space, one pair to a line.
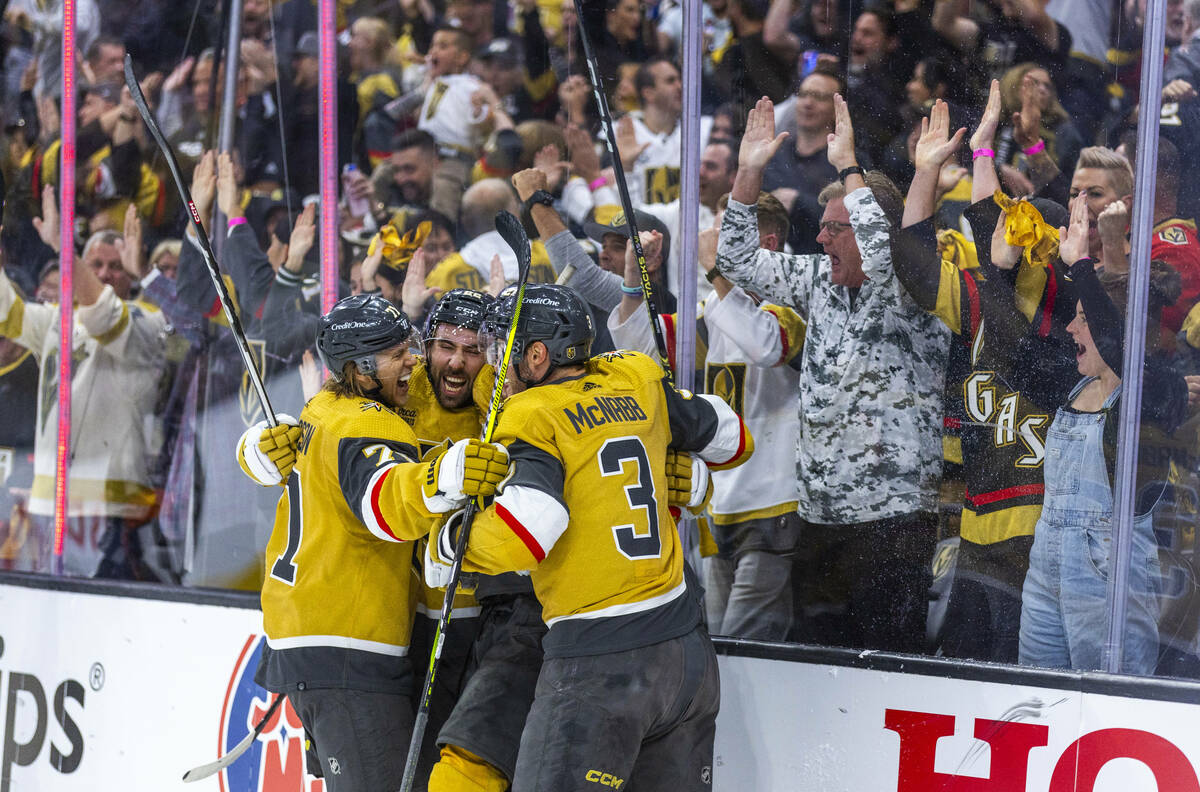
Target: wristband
[236,221]
[713,274]
[597,183]
[632,291]
[983,152]
[1036,148]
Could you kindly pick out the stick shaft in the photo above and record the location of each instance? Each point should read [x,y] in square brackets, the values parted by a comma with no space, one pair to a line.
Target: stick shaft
[610,139]
[460,551]
[210,260]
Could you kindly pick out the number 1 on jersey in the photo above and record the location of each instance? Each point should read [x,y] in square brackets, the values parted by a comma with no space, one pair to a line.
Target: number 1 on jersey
[612,457]
[284,568]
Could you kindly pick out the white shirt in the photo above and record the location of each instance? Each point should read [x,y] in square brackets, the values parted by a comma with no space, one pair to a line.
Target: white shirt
[448,114]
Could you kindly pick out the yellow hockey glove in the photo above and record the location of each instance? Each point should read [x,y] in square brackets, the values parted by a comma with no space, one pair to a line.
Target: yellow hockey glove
[267,454]
[689,484]
[469,468]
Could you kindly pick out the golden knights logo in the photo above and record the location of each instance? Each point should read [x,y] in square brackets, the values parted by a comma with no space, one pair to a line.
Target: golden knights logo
[248,403]
[727,381]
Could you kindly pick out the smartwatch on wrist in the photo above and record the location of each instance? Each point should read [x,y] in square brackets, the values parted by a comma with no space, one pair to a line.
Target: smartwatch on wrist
[847,171]
[539,197]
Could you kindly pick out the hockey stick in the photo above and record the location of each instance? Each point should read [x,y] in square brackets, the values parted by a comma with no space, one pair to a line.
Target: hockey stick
[204,771]
[235,323]
[513,232]
[610,139]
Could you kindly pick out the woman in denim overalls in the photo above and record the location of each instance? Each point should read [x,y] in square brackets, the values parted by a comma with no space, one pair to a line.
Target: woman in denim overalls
[1064,605]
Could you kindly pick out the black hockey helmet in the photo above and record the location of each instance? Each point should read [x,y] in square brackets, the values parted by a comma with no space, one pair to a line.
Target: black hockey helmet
[463,308]
[357,327]
[552,314]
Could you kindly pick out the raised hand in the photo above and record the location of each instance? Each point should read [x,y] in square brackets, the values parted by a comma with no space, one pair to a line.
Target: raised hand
[1112,223]
[840,143]
[132,249]
[935,145]
[1073,240]
[304,234]
[585,162]
[177,80]
[528,182]
[496,281]
[414,292]
[204,185]
[627,142]
[1004,255]
[759,143]
[228,193]
[548,161]
[984,135]
[1027,122]
[47,224]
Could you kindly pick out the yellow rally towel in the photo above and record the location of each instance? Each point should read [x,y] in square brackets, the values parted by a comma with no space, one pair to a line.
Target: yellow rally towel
[398,250]
[956,249]
[1025,228]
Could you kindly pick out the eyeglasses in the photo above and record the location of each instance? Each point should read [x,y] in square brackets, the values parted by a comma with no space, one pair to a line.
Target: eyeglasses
[833,227]
[820,96]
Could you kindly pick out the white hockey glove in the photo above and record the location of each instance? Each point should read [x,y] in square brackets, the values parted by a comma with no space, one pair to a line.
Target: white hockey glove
[689,484]
[467,469]
[267,454]
[439,551]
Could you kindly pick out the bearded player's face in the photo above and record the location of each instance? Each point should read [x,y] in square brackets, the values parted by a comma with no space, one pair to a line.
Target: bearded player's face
[455,357]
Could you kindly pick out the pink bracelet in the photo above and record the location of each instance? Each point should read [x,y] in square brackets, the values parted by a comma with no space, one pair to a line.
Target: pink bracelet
[1036,148]
[982,152]
[599,182]
[236,221]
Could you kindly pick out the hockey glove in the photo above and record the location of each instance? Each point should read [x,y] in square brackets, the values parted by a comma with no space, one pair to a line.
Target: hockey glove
[267,454]
[689,484]
[468,469]
[439,551]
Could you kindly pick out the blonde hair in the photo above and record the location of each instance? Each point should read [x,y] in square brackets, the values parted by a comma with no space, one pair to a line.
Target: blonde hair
[1120,175]
[378,32]
[172,246]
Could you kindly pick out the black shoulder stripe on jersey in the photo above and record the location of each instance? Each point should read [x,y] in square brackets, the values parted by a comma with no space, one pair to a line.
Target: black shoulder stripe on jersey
[533,467]
[693,421]
[358,460]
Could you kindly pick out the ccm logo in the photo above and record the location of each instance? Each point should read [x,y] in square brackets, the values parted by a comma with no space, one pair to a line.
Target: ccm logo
[604,779]
[1011,742]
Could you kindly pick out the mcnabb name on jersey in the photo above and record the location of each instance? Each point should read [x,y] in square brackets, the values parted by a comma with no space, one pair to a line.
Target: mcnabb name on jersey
[603,410]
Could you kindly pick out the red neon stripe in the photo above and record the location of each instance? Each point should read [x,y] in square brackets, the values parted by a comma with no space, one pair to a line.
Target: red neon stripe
[66,202]
[522,532]
[327,136]
[740,449]
[382,523]
[1004,494]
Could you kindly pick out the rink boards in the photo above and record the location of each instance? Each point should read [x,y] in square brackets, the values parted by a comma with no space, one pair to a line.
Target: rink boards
[111,686]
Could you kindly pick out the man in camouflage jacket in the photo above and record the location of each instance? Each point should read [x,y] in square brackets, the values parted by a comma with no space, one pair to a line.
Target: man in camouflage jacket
[869,456]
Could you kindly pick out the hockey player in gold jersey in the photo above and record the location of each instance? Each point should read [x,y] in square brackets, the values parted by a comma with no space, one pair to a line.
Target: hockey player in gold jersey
[338,598]
[629,690]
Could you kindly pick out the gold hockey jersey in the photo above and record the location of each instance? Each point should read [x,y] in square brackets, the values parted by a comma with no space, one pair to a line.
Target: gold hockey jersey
[585,508]
[337,600]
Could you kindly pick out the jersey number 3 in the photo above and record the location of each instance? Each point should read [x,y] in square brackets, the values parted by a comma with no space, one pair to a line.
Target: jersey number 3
[284,568]
[613,456]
